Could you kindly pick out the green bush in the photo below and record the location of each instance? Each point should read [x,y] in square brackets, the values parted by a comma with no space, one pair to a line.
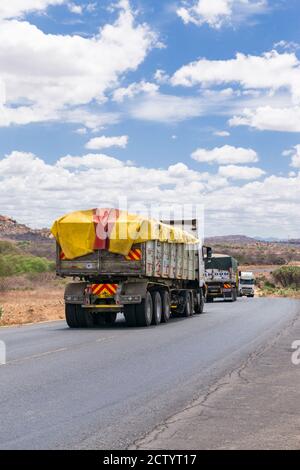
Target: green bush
[287,276]
[14,264]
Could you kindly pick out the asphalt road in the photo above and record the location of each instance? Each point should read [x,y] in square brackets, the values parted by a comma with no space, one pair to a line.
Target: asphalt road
[107,387]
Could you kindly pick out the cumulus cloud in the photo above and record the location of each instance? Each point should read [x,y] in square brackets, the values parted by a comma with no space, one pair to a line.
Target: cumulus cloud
[134,89]
[36,192]
[268,94]
[271,71]
[236,172]
[49,76]
[217,13]
[294,153]
[103,142]
[269,118]
[19,8]
[225,155]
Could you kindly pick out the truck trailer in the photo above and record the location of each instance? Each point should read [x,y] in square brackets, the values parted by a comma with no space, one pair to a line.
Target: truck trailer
[222,278]
[148,281]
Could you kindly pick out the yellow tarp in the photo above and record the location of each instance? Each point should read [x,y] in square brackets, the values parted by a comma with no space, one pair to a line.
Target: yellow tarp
[78,233]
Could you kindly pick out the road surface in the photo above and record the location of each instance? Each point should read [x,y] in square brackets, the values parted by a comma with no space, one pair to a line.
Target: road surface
[107,387]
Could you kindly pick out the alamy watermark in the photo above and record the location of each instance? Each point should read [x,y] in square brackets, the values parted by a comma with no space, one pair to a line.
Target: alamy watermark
[2,353]
[296,353]
[180,215]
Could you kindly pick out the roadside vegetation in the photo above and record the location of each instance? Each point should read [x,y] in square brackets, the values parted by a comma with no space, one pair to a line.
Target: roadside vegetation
[13,261]
[283,282]
[260,253]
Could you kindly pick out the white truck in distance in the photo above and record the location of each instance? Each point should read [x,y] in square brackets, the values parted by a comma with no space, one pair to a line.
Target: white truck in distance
[246,284]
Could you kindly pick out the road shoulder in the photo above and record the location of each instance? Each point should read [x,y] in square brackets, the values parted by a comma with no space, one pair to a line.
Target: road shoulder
[255,406]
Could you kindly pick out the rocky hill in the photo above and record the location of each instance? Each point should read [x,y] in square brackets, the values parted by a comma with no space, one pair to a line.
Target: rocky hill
[10,229]
[231,239]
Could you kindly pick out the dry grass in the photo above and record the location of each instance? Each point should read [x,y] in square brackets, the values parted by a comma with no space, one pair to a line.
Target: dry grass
[30,306]
[31,298]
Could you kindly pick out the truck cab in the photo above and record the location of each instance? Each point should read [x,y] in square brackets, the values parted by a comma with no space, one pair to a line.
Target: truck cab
[246,284]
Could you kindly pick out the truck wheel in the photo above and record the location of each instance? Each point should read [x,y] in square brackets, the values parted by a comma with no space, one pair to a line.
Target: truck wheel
[129,314]
[83,317]
[144,311]
[200,303]
[110,318]
[209,299]
[234,295]
[188,306]
[71,317]
[157,307]
[166,306]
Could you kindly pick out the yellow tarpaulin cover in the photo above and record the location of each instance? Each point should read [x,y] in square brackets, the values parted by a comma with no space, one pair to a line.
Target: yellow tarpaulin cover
[80,233]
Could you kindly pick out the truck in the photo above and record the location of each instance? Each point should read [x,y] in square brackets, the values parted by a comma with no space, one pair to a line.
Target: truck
[156,279]
[222,278]
[246,284]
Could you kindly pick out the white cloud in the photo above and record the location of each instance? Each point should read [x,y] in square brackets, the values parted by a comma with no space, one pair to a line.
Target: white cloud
[271,71]
[287,45]
[49,76]
[294,153]
[103,142]
[164,108]
[36,192]
[236,172]
[217,13]
[222,133]
[75,8]
[225,155]
[133,90]
[96,161]
[269,118]
[18,8]
[161,76]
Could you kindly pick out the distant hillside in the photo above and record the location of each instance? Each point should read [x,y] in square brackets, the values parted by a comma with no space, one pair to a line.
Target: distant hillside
[10,229]
[29,241]
[231,239]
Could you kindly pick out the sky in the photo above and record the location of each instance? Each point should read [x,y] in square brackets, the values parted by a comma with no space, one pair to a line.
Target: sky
[193,102]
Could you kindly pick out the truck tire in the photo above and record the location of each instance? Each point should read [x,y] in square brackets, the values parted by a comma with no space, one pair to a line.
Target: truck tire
[200,303]
[130,316]
[83,319]
[188,309]
[144,311]
[110,318]
[71,317]
[209,300]
[157,307]
[166,306]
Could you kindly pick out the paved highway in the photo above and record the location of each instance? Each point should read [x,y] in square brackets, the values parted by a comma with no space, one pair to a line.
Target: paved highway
[107,387]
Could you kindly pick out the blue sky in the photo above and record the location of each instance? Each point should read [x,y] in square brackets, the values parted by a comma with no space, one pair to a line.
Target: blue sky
[184,101]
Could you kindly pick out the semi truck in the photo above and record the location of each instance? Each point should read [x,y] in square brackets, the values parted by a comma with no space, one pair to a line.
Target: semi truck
[222,277]
[157,278]
[246,284]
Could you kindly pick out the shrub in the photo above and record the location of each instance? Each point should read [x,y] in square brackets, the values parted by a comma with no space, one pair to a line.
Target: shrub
[11,264]
[287,276]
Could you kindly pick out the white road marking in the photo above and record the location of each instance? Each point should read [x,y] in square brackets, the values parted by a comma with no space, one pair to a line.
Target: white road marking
[35,356]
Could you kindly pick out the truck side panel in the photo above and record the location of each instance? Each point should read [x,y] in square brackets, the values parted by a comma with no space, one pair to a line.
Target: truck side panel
[157,260]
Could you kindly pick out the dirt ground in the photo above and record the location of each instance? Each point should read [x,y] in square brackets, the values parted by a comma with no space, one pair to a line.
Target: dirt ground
[31,306]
